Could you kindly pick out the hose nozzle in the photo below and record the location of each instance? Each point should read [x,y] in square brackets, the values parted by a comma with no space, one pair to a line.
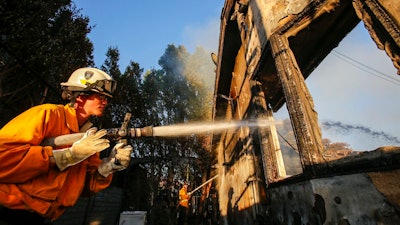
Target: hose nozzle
[142,132]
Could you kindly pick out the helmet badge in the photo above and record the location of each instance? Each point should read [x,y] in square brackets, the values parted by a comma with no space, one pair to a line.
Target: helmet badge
[88,75]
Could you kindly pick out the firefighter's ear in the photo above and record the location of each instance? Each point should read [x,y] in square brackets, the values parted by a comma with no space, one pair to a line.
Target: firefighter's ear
[65,95]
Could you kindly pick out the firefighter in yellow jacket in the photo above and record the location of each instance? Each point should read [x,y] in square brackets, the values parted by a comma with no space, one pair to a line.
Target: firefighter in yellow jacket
[37,183]
[183,204]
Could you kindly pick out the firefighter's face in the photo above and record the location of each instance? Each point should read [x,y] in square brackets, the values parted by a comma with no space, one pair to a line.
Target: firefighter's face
[93,104]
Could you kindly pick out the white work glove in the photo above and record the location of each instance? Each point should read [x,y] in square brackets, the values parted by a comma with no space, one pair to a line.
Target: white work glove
[119,159]
[91,143]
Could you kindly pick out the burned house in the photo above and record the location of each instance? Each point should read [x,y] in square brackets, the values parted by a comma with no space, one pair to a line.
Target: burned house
[266,51]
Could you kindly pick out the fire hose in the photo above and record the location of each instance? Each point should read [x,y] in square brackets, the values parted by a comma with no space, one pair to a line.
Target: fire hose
[202,185]
[112,134]
[116,134]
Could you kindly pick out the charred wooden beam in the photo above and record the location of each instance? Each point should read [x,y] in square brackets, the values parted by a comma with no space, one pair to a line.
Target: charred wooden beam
[271,155]
[300,105]
[382,20]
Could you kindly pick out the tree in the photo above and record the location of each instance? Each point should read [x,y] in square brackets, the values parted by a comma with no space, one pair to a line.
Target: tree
[175,89]
[200,74]
[114,114]
[128,95]
[186,99]
[41,44]
[328,145]
[173,94]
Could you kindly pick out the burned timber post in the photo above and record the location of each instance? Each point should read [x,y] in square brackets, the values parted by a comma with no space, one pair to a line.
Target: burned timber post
[267,49]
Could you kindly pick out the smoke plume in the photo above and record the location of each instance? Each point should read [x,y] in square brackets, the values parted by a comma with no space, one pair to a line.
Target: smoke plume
[346,128]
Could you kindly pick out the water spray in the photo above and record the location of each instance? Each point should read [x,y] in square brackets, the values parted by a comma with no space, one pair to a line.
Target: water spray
[186,129]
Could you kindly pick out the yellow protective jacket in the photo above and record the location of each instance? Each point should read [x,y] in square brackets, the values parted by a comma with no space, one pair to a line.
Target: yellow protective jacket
[183,198]
[27,178]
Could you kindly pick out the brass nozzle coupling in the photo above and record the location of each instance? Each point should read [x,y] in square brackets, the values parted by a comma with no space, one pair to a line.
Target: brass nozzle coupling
[142,132]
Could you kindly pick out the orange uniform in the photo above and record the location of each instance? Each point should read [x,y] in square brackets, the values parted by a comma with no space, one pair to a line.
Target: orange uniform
[183,198]
[28,180]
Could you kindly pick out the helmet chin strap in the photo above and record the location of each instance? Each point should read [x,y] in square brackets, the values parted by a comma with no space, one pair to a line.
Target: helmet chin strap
[70,95]
[74,96]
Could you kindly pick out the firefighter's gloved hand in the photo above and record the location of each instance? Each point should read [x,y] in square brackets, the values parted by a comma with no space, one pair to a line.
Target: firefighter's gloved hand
[119,159]
[91,143]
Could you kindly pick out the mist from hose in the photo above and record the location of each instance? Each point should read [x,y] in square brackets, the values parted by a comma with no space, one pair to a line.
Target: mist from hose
[187,129]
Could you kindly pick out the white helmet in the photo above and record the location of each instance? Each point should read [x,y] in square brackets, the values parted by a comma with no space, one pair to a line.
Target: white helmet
[88,80]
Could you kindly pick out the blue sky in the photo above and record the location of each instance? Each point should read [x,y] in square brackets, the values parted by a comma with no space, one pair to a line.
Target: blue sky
[142,30]
[362,103]
[362,96]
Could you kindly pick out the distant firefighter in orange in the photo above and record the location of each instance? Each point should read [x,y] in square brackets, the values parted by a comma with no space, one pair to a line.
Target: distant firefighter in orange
[183,207]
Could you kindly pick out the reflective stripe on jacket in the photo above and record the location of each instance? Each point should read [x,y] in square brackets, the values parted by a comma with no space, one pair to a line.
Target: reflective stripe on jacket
[27,178]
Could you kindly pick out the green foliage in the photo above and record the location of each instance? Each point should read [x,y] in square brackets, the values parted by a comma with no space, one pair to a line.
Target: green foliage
[41,44]
[177,93]
[190,83]
[184,96]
